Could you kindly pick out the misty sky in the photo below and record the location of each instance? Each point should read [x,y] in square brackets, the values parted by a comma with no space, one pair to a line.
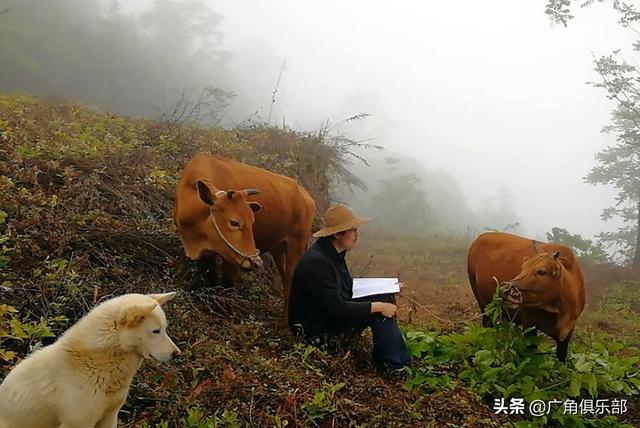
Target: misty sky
[490,91]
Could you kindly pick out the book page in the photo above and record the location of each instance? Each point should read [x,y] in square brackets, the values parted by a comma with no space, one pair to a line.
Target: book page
[369,286]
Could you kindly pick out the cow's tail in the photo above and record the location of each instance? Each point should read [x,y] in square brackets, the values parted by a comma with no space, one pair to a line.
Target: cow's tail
[470,270]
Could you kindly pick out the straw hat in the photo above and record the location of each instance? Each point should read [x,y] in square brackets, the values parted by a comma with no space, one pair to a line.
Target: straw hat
[338,219]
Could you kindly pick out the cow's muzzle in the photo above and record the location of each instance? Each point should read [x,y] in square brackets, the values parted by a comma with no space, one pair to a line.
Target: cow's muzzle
[251,263]
[511,294]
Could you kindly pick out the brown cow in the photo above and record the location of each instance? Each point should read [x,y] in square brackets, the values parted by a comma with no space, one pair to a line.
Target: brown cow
[212,221]
[542,283]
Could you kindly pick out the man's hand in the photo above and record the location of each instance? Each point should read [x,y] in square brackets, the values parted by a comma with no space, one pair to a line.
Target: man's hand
[387,310]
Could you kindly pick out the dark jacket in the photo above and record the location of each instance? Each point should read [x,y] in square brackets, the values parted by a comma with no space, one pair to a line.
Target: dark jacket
[321,293]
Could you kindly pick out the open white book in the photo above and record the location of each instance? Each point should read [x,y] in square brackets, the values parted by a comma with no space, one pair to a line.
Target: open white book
[369,286]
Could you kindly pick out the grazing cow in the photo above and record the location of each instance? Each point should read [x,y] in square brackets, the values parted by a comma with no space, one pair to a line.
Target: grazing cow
[212,221]
[542,283]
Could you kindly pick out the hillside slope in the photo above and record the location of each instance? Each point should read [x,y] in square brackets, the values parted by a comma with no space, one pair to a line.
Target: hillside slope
[85,214]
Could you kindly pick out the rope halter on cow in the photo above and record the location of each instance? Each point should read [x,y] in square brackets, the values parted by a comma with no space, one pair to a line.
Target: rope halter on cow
[248,257]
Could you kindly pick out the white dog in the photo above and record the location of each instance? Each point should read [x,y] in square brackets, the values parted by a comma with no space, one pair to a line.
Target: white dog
[82,380]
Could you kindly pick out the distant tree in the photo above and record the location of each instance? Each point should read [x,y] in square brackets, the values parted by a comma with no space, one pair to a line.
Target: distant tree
[449,212]
[497,212]
[585,249]
[618,165]
[392,164]
[448,203]
[560,10]
[166,61]
[400,206]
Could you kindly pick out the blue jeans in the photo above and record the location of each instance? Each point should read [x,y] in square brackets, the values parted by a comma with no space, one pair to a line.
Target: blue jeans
[389,347]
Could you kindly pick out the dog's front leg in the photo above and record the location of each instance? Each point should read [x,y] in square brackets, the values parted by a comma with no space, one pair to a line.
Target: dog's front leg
[73,424]
[109,420]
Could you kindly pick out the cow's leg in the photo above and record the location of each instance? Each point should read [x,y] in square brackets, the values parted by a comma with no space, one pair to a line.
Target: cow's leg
[532,333]
[486,321]
[229,274]
[562,348]
[279,254]
[207,265]
[295,249]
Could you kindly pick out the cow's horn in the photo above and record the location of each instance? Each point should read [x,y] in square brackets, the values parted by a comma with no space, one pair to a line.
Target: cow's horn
[249,192]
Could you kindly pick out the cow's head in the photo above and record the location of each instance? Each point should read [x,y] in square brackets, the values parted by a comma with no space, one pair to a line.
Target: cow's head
[230,224]
[538,284]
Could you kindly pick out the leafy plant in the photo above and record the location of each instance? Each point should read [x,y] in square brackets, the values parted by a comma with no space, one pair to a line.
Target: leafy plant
[309,357]
[322,404]
[196,418]
[505,361]
[5,331]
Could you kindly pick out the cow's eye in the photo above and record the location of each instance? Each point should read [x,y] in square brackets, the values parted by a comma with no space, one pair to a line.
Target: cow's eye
[234,223]
[156,331]
[542,272]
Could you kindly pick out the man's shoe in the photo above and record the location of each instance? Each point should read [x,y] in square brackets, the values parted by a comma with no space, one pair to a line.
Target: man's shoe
[394,373]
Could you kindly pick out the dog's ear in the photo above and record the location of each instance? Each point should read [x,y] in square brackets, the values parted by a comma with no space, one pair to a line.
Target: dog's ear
[162,298]
[134,315]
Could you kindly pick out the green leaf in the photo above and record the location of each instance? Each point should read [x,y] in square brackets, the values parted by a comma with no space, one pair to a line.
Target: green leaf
[582,365]
[574,387]
[592,384]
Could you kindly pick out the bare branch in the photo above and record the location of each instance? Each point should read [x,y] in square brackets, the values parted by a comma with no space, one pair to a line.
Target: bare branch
[275,90]
[206,108]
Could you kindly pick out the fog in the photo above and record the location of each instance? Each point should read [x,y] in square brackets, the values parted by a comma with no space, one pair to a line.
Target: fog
[491,93]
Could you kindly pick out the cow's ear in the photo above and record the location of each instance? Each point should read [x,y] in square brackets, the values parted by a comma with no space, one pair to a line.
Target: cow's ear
[255,207]
[206,193]
[134,315]
[565,262]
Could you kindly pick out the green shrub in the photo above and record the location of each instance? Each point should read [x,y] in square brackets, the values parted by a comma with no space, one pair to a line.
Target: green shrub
[503,361]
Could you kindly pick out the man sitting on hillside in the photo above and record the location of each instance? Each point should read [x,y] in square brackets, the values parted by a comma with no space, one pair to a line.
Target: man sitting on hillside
[321,304]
